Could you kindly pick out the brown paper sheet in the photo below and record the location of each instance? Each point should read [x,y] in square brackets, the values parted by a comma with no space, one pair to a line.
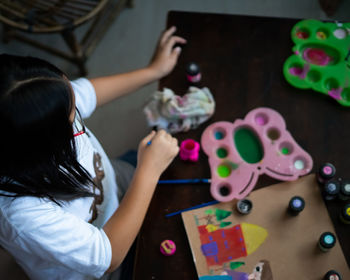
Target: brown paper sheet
[291,244]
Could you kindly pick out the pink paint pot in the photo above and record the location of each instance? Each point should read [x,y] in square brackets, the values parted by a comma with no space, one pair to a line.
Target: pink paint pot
[189,150]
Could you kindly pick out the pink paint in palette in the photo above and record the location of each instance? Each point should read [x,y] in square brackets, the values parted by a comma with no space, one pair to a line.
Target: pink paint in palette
[241,151]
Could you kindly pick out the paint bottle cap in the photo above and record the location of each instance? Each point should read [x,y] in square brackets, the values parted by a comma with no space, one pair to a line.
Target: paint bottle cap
[244,206]
[345,214]
[326,171]
[331,189]
[332,275]
[296,205]
[344,192]
[192,69]
[327,240]
[167,247]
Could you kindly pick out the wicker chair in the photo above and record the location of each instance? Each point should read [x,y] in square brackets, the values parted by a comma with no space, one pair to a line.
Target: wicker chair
[60,16]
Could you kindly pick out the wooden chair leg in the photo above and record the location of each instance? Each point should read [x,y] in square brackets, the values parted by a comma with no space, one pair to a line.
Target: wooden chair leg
[75,47]
[82,67]
[130,3]
[7,34]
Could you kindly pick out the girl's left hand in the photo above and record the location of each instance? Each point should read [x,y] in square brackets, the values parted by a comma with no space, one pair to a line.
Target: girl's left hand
[165,56]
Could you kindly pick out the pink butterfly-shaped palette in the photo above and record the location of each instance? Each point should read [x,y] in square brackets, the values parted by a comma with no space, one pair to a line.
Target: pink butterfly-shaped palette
[241,151]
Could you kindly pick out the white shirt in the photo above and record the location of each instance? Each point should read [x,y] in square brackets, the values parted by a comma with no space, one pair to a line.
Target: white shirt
[53,242]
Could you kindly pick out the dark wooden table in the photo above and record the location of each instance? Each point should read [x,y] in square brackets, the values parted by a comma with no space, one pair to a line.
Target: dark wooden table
[241,59]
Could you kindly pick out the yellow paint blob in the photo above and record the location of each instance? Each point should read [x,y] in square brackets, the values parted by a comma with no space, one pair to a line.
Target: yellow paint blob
[254,236]
[211,228]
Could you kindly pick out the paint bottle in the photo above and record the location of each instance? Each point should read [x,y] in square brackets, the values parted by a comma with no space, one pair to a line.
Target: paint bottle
[332,275]
[345,214]
[327,241]
[331,189]
[193,73]
[344,192]
[296,205]
[244,206]
[325,172]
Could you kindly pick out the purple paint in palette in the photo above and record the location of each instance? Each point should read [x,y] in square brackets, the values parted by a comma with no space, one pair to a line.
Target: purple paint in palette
[300,72]
[335,93]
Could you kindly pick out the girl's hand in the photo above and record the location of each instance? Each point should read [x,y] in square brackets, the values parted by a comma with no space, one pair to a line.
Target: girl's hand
[154,158]
[165,56]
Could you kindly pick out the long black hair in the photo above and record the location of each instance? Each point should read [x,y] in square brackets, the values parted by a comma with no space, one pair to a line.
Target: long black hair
[37,151]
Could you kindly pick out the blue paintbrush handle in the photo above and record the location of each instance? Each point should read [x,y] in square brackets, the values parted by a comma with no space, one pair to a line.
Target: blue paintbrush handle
[185,181]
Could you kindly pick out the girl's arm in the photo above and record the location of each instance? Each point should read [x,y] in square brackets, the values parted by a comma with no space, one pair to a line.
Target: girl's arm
[164,60]
[126,222]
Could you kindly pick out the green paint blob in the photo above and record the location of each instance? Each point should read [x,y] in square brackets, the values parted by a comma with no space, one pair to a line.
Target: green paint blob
[225,224]
[221,152]
[248,145]
[285,151]
[209,212]
[196,219]
[234,265]
[224,170]
[233,165]
[222,214]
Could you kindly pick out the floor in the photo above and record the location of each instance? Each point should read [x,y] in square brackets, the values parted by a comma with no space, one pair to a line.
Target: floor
[129,44]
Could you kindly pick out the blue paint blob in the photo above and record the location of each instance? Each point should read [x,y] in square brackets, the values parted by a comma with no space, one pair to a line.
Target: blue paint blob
[219,135]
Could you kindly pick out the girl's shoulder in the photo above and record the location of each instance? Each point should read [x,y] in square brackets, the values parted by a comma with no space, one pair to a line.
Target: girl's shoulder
[23,208]
[17,214]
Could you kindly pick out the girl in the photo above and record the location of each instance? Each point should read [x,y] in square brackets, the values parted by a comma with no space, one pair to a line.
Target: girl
[59,211]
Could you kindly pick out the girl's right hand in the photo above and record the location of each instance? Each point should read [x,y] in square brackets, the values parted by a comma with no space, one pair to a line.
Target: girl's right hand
[156,157]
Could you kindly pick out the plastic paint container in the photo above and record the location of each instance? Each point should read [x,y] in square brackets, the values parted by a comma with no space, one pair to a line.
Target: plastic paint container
[344,192]
[332,275]
[244,206]
[296,205]
[325,172]
[331,189]
[345,214]
[193,73]
[189,150]
[327,241]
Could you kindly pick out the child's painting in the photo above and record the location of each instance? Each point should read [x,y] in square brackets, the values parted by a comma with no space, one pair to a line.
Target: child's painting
[268,243]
